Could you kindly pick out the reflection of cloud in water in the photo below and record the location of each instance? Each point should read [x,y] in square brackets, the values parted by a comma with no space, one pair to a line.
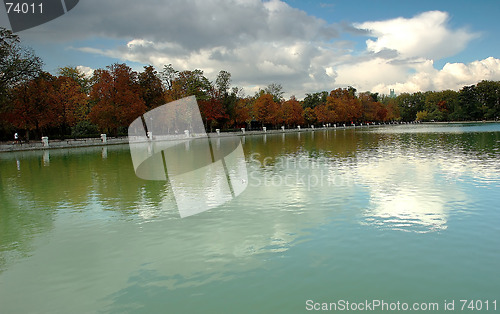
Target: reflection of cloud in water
[407,194]
[101,258]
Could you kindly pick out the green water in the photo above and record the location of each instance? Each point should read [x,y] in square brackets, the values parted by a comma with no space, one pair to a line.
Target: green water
[404,213]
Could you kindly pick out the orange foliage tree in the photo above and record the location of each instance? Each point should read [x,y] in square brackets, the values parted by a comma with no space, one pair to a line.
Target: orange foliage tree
[292,112]
[243,111]
[344,104]
[266,110]
[116,97]
[309,116]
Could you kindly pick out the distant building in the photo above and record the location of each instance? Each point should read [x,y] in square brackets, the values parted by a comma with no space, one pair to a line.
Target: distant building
[392,94]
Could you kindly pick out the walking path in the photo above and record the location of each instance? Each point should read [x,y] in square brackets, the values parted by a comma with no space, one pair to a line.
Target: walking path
[70,143]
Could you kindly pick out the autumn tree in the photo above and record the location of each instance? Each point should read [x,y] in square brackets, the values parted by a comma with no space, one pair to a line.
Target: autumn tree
[212,109]
[71,102]
[243,112]
[309,116]
[292,112]
[322,114]
[344,105]
[35,106]
[116,95]
[266,110]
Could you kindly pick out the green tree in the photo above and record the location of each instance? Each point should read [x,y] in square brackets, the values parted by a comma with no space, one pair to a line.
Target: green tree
[488,96]
[222,82]
[77,75]
[315,99]
[190,83]
[422,115]
[168,75]
[469,103]
[410,104]
[152,89]
[18,65]
[276,90]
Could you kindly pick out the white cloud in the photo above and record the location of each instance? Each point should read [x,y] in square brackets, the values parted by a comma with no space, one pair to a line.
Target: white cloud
[426,35]
[453,76]
[87,71]
[265,42]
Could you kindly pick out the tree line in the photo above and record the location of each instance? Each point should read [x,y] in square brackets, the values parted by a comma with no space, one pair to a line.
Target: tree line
[36,103]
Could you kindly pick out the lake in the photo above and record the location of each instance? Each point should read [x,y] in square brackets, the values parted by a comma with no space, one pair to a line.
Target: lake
[407,213]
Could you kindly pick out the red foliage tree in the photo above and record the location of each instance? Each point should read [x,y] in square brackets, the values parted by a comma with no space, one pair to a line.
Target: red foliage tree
[116,96]
[243,111]
[212,110]
[35,106]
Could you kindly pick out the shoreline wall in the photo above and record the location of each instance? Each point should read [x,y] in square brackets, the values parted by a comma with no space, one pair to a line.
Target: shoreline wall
[87,142]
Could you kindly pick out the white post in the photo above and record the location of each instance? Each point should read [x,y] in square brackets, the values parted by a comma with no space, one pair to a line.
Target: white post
[243,130]
[45,141]
[104,138]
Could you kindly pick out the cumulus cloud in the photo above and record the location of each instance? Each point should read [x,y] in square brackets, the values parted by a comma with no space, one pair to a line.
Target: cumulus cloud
[426,35]
[452,76]
[415,44]
[87,71]
[261,42]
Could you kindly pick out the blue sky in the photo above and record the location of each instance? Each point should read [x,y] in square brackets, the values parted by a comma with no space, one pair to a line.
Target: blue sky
[305,45]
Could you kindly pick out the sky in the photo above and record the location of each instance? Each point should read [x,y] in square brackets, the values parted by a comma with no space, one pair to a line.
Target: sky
[306,46]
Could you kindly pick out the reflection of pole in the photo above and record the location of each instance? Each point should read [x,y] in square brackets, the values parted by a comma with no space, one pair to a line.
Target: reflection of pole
[46,158]
[223,165]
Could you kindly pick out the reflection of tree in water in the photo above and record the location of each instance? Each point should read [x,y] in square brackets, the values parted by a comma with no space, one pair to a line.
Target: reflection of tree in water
[23,215]
[32,195]
[320,143]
